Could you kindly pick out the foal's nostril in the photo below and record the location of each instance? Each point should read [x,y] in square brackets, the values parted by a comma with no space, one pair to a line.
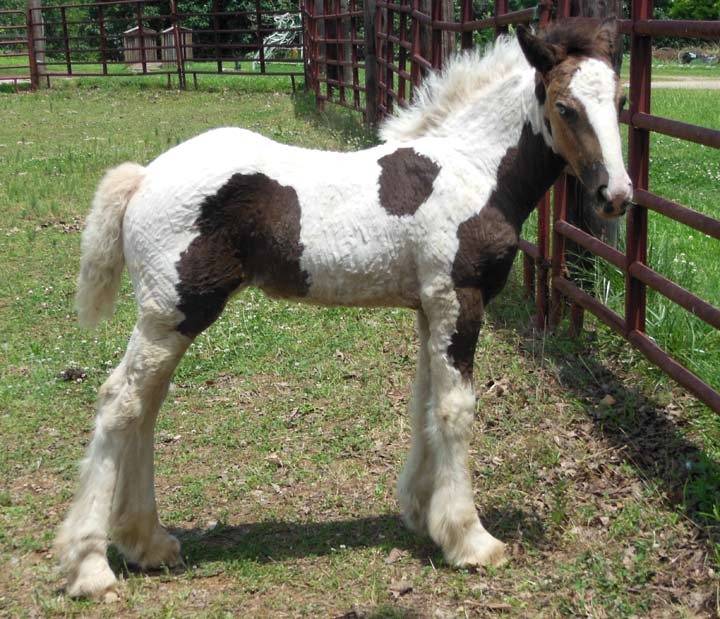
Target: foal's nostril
[602,193]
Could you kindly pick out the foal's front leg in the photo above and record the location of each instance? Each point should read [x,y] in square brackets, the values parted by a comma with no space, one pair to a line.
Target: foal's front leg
[452,520]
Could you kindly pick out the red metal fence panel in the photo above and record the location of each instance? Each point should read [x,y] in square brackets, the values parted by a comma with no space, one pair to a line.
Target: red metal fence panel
[16,52]
[409,40]
[160,37]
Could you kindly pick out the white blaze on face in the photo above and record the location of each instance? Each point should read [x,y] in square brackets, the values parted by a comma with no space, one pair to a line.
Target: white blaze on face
[594,85]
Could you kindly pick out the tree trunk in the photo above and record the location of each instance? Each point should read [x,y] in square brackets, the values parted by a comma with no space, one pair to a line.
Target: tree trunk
[38,37]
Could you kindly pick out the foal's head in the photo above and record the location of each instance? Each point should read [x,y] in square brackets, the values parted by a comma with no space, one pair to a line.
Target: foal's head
[581,97]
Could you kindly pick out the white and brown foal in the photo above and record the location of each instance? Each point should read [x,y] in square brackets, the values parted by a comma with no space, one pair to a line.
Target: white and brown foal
[428,220]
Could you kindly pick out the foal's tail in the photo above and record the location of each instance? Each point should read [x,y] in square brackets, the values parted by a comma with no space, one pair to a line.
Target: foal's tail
[102,259]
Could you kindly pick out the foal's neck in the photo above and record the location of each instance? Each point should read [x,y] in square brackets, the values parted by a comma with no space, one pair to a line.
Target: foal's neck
[509,126]
[526,172]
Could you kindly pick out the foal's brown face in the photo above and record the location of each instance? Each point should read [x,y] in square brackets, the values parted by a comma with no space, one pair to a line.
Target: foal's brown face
[581,97]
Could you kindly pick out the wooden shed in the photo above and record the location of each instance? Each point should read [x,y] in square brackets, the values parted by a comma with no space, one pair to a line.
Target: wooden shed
[133,45]
[168,44]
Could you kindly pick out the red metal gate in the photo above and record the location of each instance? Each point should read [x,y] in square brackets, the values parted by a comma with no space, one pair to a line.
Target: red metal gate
[123,38]
[16,50]
[408,41]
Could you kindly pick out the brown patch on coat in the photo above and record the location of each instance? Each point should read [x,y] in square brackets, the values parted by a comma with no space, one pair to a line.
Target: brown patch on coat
[488,241]
[249,235]
[406,181]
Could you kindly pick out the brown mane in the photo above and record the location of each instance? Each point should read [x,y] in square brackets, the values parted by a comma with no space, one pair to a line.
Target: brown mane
[584,36]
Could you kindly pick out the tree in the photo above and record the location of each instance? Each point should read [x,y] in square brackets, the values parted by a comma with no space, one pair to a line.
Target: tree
[695,9]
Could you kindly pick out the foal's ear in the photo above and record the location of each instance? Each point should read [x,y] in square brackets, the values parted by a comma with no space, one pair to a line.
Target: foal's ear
[539,53]
[606,37]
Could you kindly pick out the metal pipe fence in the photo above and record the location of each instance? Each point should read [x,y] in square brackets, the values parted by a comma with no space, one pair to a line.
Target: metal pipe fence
[124,38]
[16,50]
[409,39]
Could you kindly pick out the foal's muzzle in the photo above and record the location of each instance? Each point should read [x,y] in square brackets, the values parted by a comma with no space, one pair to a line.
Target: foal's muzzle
[613,205]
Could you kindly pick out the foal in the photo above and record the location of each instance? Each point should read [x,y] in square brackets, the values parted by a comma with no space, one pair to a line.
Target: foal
[428,220]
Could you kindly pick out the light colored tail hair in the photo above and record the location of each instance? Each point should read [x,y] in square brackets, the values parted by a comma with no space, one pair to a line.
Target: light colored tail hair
[102,258]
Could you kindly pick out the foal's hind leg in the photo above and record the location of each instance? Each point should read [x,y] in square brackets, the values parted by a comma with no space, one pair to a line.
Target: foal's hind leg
[452,520]
[415,483]
[116,475]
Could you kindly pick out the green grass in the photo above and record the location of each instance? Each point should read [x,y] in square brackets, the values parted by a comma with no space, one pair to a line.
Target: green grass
[278,447]
[689,174]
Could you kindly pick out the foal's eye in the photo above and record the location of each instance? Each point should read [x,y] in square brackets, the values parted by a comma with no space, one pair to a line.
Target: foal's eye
[565,111]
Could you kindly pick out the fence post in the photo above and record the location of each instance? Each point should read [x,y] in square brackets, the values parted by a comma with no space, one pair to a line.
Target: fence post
[32,63]
[371,85]
[36,42]
[638,155]
[179,43]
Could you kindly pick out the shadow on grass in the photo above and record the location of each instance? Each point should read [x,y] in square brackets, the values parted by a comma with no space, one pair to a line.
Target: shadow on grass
[272,541]
[647,432]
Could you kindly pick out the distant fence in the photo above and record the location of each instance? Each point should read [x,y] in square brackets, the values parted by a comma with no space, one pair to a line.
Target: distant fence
[16,48]
[381,49]
[152,37]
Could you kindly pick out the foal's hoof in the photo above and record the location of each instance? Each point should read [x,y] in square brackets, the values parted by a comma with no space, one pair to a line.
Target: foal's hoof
[93,579]
[483,550]
[163,550]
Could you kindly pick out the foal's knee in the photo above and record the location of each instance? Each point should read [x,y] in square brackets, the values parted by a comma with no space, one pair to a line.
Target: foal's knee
[119,406]
[454,413]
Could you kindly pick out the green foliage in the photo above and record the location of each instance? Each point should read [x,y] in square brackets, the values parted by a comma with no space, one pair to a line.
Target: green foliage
[695,9]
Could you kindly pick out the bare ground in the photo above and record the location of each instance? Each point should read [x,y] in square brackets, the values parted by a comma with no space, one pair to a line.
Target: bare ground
[587,477]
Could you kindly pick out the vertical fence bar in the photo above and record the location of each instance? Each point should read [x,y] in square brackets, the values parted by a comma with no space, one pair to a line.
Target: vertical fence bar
[466,15]
[543,244]
[389,57]
[354,56]
[415,73]
[103,39]
[179,42]
[639,157]
[436,40]
[261,47]
[32,58]
[340,47]
[563,9]
[402,56]
[536,280]
[561,189]
[501,7]
[371,82]
[558,266]
[330,48]
[36,54]
[216,35]
[141,34]
[66,40]
[380,43]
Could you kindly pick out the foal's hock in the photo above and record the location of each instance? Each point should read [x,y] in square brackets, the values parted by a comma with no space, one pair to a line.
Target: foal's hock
[428,220]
